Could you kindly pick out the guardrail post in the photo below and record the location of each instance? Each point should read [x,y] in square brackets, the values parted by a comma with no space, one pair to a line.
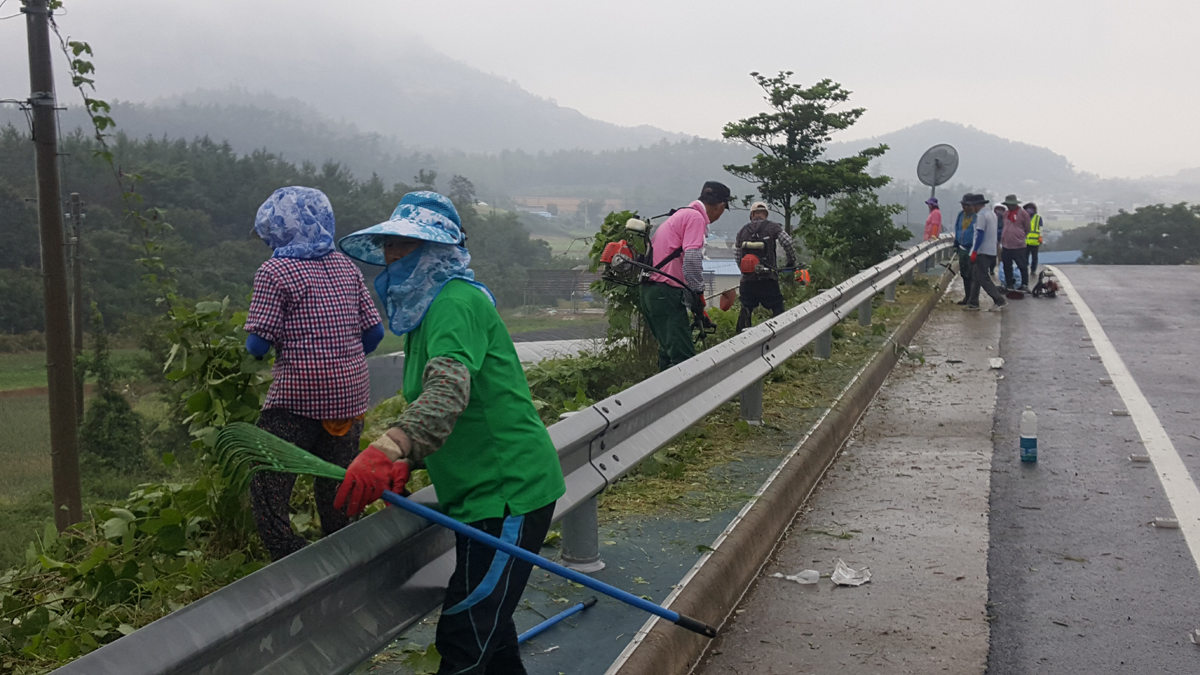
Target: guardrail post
[908,278]
[889,293]
[864,312]
[823,346]
[751,401]
[581,538]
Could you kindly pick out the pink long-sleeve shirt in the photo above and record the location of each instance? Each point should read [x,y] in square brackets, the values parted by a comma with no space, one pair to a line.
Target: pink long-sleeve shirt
[684,230]
[933,225]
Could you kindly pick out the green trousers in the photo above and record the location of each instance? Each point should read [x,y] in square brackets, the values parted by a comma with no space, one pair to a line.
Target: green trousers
[663,307]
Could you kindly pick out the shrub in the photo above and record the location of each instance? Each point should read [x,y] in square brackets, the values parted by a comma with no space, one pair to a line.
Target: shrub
[111,433]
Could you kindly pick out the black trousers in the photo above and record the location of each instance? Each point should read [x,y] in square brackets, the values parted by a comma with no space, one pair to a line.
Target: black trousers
[964,268]
[981,277]
[1008,256]
[1031,258]
[271,493]
[755,292]
[476,634]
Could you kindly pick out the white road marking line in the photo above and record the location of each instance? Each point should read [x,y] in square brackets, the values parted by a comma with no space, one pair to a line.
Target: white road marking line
[1177,483]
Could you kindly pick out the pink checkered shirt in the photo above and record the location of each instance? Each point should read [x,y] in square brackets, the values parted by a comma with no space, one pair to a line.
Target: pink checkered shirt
[314,312]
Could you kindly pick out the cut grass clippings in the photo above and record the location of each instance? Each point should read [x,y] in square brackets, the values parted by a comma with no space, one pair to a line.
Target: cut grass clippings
[686,475]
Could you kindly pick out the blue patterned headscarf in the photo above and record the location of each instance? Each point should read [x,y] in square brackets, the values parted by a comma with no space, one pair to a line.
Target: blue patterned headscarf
[423,215]
[297,222]
[408,286]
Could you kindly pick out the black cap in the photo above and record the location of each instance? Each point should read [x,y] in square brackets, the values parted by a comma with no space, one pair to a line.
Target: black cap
[714,193]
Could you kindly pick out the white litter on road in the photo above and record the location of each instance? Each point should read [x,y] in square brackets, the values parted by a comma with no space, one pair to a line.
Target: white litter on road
[804,577]
[844,575]
[996,363]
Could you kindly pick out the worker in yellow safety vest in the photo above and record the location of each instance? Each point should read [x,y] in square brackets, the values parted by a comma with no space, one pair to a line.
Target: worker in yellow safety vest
[1033,240]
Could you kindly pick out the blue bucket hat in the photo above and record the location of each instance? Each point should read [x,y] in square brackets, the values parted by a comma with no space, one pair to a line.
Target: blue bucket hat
[424,215]
[297,222]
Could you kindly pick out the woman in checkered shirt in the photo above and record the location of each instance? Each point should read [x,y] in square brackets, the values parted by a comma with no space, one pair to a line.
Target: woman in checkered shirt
[311,305]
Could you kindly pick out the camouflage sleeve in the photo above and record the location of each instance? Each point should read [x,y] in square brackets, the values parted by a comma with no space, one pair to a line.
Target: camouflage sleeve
[428,420]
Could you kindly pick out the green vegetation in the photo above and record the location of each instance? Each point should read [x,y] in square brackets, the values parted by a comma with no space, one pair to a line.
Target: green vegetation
[25,370]
[685,475]
[25,452]
[854,234]
[790,170]
[208,194]
[1151,235]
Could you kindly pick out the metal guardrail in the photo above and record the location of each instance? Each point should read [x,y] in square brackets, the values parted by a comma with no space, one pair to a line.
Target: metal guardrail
[330,606]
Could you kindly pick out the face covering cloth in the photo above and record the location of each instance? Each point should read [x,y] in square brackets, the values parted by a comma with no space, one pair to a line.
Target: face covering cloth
[409,285]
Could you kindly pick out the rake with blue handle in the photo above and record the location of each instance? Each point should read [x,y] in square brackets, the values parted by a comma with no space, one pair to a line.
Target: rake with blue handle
[243,449]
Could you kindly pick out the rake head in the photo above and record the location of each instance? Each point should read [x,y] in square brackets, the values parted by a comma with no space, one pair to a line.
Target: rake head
[243,450]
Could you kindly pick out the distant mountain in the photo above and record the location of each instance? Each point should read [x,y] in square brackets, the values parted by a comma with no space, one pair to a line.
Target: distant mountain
[985,160]
[429,101]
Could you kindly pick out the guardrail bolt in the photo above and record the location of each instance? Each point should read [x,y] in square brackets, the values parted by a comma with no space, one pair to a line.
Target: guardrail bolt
[752,403]
[889,293]
[864,312]
[823,346]
[581,538]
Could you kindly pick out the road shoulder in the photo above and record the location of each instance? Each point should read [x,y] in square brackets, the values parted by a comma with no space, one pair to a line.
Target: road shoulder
[907,497]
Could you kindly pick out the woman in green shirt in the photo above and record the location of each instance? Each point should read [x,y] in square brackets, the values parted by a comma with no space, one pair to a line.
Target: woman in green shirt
[470,422]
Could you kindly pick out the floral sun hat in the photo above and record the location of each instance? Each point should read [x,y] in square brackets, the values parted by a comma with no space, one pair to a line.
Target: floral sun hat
[423,215]
[297,222]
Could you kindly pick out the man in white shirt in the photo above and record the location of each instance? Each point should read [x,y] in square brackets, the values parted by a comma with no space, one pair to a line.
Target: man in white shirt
[983,255]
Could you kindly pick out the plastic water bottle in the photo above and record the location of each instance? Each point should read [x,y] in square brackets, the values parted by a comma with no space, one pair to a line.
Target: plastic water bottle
[1028,435]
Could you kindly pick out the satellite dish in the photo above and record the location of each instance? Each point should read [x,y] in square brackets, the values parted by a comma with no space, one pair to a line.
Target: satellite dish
[937,165]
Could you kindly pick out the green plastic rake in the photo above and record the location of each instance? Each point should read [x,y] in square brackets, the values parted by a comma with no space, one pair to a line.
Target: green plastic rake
[243,450]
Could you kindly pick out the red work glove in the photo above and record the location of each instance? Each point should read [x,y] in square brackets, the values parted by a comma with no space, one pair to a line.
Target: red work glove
[974,254]
[400,473]
[368,476]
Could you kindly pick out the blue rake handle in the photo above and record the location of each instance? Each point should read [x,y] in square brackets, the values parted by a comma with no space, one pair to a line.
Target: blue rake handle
[566,613]
[534,559]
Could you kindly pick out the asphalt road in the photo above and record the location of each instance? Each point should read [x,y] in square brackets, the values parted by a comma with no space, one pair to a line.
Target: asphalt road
[1079,581]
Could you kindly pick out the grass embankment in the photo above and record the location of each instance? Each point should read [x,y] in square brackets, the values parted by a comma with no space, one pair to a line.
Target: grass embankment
[26,370]
[687,477]
[25,475]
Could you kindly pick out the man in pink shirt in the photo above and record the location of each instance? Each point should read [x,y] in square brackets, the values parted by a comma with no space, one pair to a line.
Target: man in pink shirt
[933,224]
[678,245]
[1015,229]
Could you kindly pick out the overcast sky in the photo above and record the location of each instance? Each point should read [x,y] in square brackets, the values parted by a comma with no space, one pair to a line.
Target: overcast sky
[1111,84]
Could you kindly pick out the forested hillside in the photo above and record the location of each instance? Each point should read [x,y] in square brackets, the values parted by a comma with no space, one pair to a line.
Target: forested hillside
[209,195]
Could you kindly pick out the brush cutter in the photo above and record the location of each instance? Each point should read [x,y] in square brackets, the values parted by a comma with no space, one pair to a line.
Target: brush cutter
[243,449]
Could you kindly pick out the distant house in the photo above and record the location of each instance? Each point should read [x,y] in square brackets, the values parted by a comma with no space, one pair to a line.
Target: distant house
[720,276]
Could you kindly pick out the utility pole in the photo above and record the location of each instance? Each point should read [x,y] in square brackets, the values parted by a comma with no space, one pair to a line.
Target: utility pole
[60,375]
[77,298]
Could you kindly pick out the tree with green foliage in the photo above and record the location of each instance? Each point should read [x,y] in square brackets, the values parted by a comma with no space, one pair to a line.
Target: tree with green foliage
[111,434]
[501,250]
[426,179]
[461,192]
[790,169]
[856,233]
[1151,235]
